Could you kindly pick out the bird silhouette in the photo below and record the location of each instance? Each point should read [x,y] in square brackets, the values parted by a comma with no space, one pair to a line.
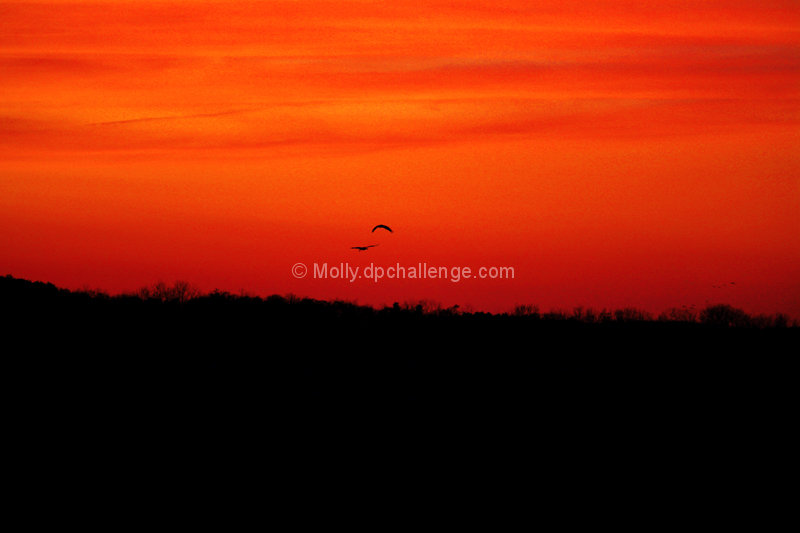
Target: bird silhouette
[382,226]
[362,248]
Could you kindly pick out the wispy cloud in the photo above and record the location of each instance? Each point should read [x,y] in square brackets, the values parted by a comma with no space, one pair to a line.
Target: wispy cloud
[238,75]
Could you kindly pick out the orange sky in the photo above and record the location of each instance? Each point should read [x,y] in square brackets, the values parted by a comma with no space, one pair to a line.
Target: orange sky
[613,152]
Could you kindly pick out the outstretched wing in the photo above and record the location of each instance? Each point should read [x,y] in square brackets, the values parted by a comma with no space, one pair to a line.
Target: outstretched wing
[384,227]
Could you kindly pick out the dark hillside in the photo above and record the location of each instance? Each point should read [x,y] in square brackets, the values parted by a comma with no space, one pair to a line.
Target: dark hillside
[228,366]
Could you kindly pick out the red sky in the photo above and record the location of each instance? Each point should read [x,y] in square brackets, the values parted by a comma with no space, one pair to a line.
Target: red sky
[615,153]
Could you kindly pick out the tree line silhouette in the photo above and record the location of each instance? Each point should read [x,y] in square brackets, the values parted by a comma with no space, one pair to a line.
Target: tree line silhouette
[25,293]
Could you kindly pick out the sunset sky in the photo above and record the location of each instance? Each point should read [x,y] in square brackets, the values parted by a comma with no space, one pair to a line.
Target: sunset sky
[614,153]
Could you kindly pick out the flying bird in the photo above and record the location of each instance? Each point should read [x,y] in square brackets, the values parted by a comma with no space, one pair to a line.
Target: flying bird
[362,248]
[382,226]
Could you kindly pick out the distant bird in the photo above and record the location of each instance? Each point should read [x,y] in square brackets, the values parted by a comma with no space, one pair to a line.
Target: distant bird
[362,248]
[382,226]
